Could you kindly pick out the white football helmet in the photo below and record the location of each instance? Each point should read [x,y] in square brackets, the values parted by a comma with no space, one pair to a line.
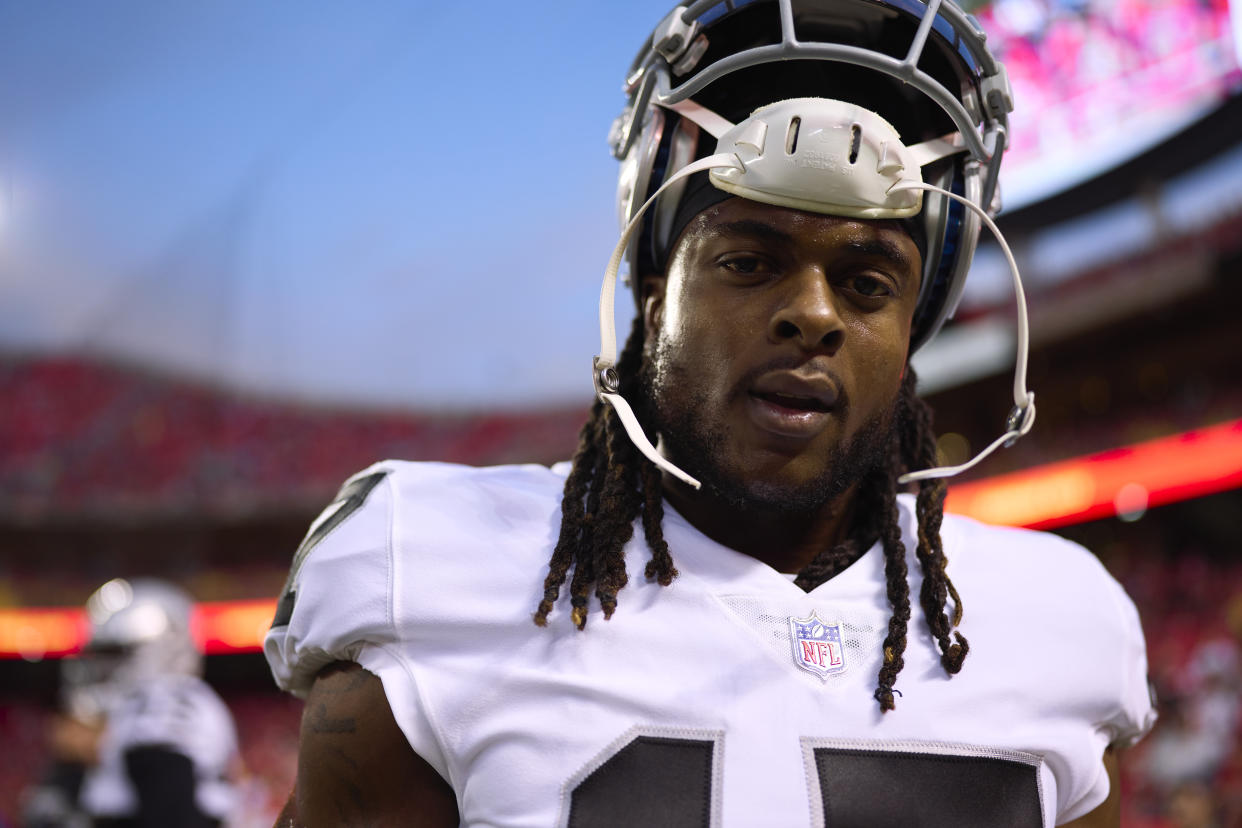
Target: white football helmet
[140,630]
[886,109]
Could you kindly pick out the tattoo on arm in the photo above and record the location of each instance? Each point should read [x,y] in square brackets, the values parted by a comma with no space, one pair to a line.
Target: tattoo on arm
[355,766]
[330,764]
[319,721]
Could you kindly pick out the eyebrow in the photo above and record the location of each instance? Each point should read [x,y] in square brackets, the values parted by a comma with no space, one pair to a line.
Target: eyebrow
[750,227]
[881,248]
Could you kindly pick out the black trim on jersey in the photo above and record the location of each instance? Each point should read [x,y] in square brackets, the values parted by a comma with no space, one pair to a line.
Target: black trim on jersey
[889,789]
[351,497]
[653,780]
[164,781]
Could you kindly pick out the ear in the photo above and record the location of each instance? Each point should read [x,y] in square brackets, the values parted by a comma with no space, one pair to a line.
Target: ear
[653,287]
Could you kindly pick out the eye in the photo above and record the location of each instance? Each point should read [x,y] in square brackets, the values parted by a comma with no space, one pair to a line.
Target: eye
[743,264]
[746,268]
[868,286]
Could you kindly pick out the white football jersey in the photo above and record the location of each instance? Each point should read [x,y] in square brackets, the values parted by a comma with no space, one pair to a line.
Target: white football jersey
[175,712]
[730,698]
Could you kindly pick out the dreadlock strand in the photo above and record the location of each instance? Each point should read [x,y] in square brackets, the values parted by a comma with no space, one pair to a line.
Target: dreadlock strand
[584,560]
[604,493]
[619,504]
[580,588]
[621,498]
[919,451]
[572,511]
[933,593]
[898,590]
[954,655]
[660,568]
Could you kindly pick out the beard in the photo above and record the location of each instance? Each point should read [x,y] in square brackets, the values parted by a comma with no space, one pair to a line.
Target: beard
[674,407]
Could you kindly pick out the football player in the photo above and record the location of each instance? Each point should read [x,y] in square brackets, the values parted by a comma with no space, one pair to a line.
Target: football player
[740,617]
[156,745]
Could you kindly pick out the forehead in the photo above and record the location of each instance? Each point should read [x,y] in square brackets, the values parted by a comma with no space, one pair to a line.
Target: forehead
[743,218]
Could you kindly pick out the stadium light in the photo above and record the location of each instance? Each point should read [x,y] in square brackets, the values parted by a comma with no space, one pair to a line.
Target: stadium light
[1111,483]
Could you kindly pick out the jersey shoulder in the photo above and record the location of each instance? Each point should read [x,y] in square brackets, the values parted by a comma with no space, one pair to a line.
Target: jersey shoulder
[1058,591]
[392,524]
[1028,554]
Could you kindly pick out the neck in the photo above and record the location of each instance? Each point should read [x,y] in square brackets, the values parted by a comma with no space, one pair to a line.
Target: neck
[786,542]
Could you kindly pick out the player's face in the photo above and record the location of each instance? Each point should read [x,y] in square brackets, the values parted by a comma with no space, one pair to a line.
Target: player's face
[776,345]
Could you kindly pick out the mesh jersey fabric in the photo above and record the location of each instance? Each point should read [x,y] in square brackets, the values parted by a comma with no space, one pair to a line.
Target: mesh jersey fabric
[431,584]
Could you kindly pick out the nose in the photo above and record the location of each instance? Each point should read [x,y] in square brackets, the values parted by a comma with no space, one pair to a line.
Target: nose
[808,313]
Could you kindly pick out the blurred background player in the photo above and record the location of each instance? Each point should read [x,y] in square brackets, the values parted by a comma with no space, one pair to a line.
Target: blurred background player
[142,740]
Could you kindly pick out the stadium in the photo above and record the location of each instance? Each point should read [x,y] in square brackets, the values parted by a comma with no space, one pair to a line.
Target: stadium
[181,403]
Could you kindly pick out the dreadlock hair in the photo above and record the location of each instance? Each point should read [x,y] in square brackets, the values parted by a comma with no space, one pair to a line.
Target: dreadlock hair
[611,483]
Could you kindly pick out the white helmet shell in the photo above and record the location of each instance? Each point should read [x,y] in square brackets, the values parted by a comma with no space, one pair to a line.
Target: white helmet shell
[140,629]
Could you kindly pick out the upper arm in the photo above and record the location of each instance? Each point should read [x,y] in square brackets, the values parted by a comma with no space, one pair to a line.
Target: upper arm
[1108,813]
[355,766]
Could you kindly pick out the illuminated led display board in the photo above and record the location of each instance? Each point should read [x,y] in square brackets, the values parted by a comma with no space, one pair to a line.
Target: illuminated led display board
[1096,82]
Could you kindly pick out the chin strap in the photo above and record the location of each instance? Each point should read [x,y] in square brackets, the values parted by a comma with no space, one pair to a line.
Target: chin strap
[1022,417]
[604,366]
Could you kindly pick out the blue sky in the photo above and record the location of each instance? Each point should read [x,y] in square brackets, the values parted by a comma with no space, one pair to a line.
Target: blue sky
[377,203]
[406,203]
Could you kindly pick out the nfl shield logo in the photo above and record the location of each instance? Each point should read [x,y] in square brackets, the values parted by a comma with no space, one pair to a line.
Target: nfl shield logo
[817,646]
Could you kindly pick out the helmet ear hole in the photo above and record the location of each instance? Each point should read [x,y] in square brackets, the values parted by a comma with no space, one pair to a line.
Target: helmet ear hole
[667,143]
[682,147]
[952,232]
[635,177]
[935,218]
[634,183]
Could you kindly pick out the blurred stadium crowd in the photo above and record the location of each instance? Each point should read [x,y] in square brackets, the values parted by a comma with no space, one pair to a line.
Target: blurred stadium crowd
[85,439]
[1091,74]
[154,450]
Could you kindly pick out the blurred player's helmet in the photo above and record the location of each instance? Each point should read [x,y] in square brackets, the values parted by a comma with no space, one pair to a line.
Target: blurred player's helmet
[139,630]
[924,68]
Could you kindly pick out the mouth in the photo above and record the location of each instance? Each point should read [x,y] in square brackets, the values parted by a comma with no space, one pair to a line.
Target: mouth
[791,405]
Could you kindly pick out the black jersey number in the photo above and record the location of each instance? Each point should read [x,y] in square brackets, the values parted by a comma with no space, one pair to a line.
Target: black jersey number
[668,782]
[348,500]
[651,780]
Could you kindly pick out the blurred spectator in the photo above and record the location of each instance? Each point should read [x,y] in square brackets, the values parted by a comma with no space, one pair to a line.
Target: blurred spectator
[1180,750]
[1193,806]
